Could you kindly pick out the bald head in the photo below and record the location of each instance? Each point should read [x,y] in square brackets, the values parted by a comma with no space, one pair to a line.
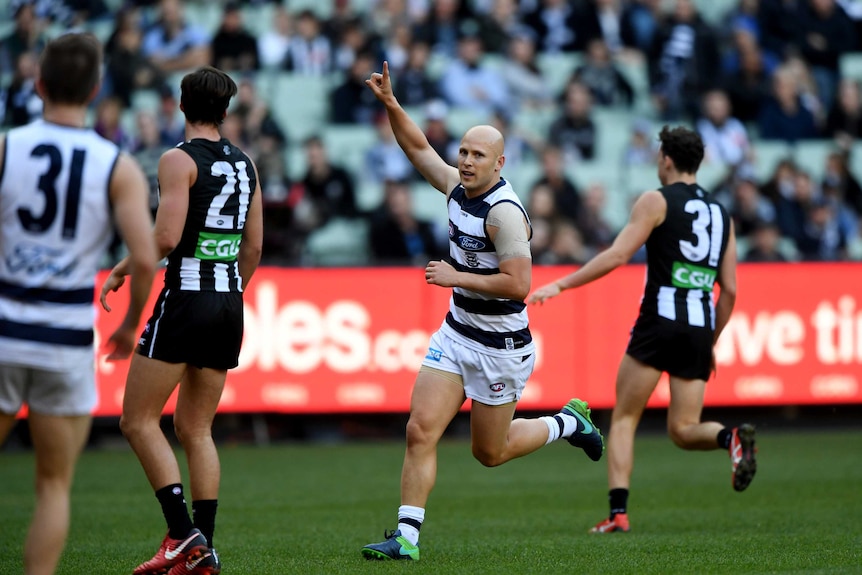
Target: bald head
[485,135]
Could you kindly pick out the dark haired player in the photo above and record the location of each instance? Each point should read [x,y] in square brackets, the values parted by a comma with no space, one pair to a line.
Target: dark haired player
[690,246]
[209,225]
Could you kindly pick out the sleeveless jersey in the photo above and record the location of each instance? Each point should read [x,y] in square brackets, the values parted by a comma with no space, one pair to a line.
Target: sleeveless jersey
[205,258]
[684,255]
[55,225]
[478,320]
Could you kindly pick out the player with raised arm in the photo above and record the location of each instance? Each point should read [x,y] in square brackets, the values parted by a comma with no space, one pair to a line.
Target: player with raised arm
[210,226]
[483,350]
[690,246]
[62,190]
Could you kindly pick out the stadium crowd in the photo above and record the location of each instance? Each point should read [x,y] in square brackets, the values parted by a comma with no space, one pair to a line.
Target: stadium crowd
[579,88]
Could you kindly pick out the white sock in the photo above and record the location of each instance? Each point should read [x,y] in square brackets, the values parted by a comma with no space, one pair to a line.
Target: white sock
[568,423]
[553,428]
[409,531]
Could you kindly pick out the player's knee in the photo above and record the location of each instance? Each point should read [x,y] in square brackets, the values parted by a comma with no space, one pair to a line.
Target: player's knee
[487,457]
[417,434]
[128,426]
[677,434]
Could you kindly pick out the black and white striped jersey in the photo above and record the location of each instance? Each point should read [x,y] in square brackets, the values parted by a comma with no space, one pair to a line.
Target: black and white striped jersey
[476,319]
[206,257]
[684,255]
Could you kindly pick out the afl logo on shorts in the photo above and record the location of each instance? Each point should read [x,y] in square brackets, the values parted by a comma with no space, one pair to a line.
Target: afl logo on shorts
[497,387]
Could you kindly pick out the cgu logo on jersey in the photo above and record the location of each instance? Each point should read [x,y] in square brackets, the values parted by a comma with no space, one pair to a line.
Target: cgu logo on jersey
[219,247]
[692,277]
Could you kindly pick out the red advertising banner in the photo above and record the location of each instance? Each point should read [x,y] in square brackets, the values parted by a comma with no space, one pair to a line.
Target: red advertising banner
[351,340]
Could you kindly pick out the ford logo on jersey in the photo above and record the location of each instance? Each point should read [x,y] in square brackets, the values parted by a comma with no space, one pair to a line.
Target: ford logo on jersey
[497,387]
[472,244]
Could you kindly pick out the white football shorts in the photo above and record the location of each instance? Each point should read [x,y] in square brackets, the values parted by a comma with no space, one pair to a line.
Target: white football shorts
[489,378]
[60,393]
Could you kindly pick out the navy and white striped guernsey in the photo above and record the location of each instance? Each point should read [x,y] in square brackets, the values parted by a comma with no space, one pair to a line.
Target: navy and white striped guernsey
[476,318]
[55,225]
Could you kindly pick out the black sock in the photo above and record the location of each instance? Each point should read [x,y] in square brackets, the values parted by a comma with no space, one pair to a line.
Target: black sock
[724,437]
[175,511]
[204,512]
[619,499]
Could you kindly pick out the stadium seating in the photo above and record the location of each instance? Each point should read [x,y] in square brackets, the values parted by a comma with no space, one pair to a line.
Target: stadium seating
[810,155]
[300,103]
[557,69]
[340,242]
[850,65]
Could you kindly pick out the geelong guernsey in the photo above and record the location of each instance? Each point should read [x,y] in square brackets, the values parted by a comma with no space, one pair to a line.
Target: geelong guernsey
[205,258]
[684,255]
[55,225]
[477,320]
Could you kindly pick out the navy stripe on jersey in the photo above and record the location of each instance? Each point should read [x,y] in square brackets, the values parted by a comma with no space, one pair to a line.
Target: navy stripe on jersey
[495,339]
[5,157]
[33,294]
[487,306]
[478,271]
[46,334]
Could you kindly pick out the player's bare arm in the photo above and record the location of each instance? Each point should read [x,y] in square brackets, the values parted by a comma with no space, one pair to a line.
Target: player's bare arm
[410,136]
[727,284]
[251,247]
[511,240]
[648,213]
[177,172]
[129,195]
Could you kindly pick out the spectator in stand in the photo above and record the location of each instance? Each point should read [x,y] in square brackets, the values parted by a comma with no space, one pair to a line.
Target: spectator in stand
[780,27]
[396,236]
[310,51]
[499,25]
[743,40]
[764,244]
[574,131]
[256,119]
[641,148]
[148,150]
[597,233]
[171,124]
[567,246]
[744,15]
[683,61]
[845,117]
[520,144]
[825,238]
[561,26]
[438,135]
[127,68]
[385,160]
[807,87]
[747,207]
[639,24]
[174,45]
[26,37]
[750,85]
[608,86]
[354,39]
[328,189]
[343,14]
[605,19]
[233,47]
[107,123]
[23,104]
[540,207]
[442,27]
[414,87]
[272,45]
[725,138]
[523,77]
[792,215]
[396,46]
[467,83]
[782,183]
[567,200]
[784,117]
[352,102]
[839,182]
[827,33]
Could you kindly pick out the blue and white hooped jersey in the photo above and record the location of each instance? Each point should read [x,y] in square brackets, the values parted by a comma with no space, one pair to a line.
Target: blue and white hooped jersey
[55,225]
[478,320]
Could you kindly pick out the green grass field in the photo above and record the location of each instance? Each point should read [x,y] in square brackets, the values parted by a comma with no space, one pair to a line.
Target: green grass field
[308,509]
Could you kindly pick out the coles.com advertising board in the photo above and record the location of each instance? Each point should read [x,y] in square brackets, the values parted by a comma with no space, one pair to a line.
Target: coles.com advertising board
[352,340]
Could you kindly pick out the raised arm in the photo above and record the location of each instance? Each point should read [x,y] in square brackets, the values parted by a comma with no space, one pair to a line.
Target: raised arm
[129,193]
[648,213]
[411,138]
